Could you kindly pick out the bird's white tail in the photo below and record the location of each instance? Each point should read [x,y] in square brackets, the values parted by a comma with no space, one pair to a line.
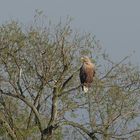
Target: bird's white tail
[85,89]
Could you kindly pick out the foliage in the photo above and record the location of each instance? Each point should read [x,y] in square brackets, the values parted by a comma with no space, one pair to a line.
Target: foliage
[40,94]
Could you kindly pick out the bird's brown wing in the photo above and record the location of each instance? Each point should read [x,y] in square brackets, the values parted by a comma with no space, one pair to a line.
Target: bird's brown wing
[82,75]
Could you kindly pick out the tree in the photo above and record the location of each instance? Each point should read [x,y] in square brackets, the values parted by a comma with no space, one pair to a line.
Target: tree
[40,90]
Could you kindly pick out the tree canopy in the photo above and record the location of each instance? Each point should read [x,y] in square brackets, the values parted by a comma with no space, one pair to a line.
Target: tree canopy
[40,94]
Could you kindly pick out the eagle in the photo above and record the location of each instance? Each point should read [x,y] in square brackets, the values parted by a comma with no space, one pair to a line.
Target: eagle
[87,72]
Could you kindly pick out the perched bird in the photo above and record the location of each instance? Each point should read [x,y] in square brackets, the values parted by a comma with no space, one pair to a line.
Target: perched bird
[87,72]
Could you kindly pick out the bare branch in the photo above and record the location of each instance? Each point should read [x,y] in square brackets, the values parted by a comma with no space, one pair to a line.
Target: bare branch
[27,103]
[81,127]
[113,67]
[8,129]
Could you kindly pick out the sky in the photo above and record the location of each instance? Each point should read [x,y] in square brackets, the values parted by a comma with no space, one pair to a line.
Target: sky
[116,23]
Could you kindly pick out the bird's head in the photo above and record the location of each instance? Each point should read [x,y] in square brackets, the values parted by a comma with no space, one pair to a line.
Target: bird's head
[85,59]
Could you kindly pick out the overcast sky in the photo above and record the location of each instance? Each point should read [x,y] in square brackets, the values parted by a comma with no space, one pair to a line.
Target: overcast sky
[116,23]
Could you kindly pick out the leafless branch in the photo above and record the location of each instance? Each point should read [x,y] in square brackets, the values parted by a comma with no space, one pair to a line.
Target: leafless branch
[113,67]
[18,96]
